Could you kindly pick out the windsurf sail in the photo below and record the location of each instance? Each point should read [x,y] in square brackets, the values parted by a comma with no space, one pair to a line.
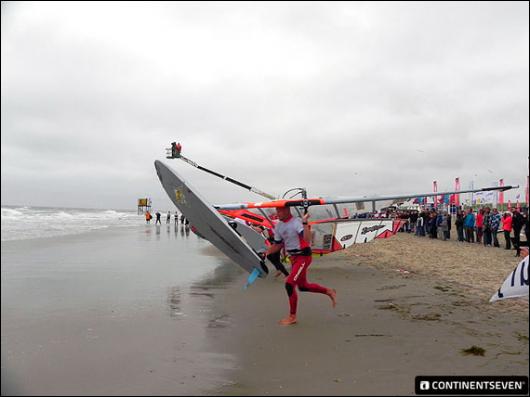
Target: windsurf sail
[208,222]
[515,285]
[335,235]
[324,201]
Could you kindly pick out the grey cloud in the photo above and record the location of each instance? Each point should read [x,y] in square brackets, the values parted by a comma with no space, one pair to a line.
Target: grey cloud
[346,99]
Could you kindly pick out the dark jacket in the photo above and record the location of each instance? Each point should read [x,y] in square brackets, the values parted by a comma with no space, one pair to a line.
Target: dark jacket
[517,221]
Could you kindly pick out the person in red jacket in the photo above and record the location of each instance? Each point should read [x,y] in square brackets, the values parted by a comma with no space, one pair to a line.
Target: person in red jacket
[507,229]
[479,225]
[295,236]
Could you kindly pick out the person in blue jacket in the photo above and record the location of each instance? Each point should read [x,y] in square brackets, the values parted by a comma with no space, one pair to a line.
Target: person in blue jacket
[469,226]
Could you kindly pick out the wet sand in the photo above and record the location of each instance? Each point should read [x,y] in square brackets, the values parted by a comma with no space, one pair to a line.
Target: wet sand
[397,318]
[114,312]
[147,311]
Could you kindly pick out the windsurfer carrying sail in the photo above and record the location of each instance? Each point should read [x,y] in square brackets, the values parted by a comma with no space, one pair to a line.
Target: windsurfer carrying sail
[293,234]
[276,258]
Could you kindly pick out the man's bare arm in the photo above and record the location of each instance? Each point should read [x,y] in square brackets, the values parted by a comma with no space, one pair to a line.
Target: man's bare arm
[273,249]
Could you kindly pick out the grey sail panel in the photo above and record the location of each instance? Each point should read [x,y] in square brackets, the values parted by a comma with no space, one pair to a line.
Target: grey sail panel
[206,220]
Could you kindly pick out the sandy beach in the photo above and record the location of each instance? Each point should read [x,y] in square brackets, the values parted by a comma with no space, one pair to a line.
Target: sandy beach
[407,307]
[123,323]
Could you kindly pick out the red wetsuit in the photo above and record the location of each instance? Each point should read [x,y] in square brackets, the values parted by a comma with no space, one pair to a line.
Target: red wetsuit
[290,234]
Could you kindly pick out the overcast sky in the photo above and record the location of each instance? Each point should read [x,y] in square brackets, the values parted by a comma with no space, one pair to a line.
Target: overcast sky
[341,98]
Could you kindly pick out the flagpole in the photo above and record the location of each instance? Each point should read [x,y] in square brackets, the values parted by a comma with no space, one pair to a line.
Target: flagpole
[527,203]
[501,194]
[434,190]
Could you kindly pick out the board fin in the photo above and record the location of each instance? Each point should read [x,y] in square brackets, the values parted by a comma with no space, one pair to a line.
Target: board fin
[252,277]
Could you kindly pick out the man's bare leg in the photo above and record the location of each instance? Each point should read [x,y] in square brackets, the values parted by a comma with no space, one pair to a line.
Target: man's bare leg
[290,320]
[333,296]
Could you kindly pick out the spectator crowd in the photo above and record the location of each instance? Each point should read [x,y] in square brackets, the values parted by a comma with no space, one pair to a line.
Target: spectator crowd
[483,226]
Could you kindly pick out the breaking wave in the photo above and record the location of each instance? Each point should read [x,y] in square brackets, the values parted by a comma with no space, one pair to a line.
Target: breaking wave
[20,223]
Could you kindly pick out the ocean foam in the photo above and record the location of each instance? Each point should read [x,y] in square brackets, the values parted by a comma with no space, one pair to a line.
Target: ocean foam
[20,223]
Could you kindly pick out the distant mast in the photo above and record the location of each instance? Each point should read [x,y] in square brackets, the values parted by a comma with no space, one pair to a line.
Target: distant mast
[501,193]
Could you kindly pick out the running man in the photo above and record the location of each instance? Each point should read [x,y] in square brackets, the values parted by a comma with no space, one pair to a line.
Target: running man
[276,258]
[294,235]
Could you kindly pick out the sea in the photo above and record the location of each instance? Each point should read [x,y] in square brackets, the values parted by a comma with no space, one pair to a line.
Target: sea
[97,302]
[25,222]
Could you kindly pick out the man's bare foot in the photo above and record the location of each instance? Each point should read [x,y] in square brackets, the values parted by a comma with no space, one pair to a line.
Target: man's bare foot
[288,320]
[333,296]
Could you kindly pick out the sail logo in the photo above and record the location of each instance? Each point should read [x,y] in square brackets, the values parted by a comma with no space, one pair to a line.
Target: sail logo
[369,229]
[346,237]
[179,196]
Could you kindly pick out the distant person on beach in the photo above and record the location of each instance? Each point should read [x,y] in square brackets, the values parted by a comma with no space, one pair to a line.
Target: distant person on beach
[486,227]
[432,224]
[157,218]
[495,222]
[517,225]
[479,224]
[441,222]
[414,220]
[459,223]
[294,235]
[176,218]
[507,229]
[469,226]
[182,218]
[449,221]
[168,217]
[420,231]
[148,217]
[425,216]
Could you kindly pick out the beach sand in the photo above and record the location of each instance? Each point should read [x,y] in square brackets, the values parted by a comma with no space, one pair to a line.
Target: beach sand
[105,313]
[407,306]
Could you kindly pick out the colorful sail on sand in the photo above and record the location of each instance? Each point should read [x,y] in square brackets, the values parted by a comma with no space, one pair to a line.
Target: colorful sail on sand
[331,233]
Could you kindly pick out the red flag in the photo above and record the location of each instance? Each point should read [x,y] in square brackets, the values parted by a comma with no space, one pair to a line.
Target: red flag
[457,188]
